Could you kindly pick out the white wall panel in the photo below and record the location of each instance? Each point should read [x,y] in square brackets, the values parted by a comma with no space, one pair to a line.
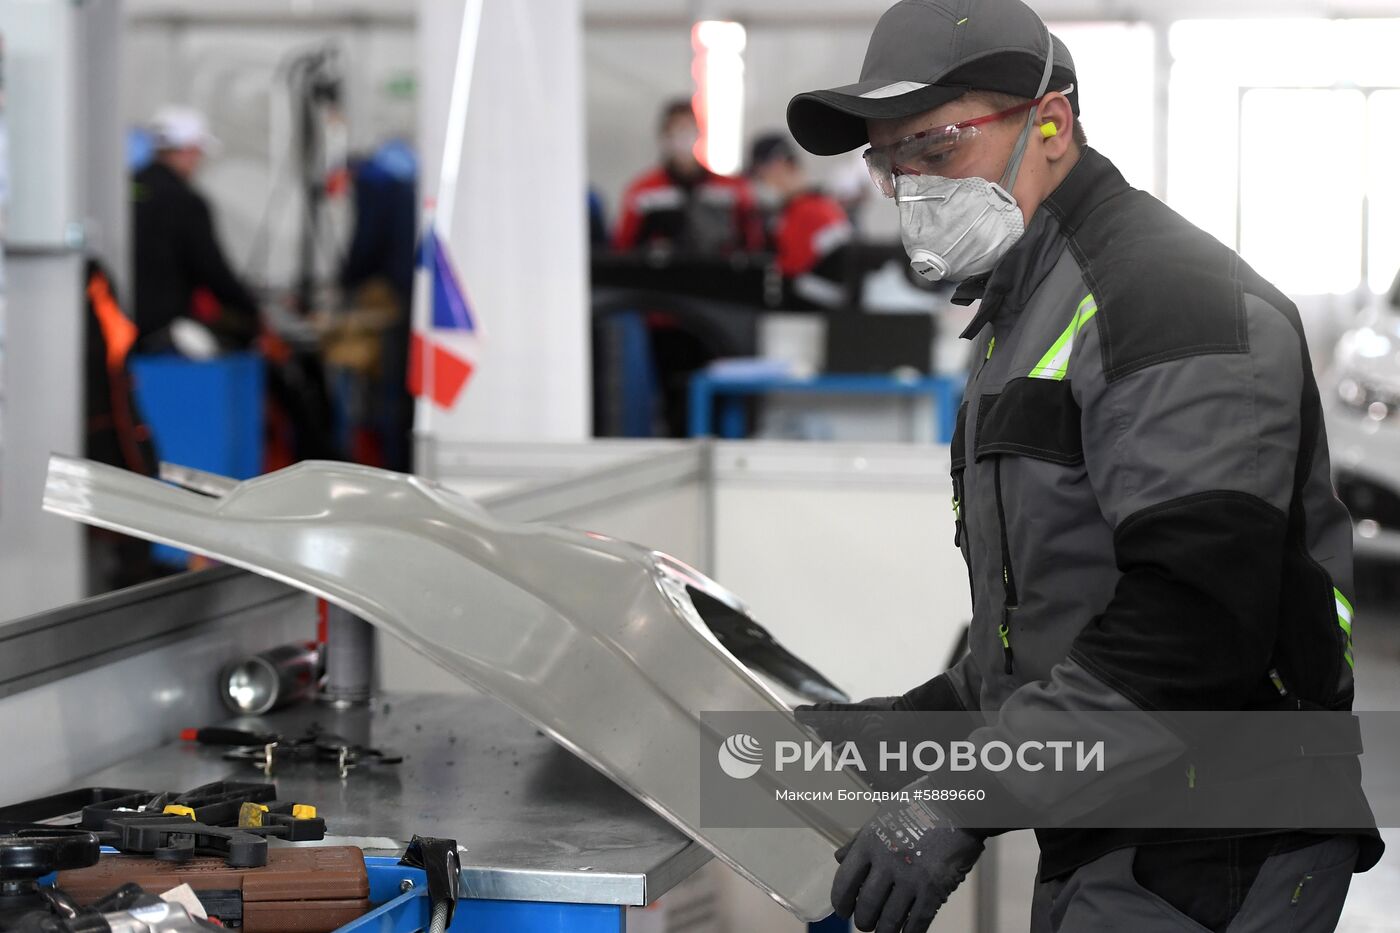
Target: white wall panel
[41,61]
[41,563]
[857,575]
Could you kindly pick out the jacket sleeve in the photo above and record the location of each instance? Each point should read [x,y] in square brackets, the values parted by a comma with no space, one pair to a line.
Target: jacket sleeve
[208,267]
[748,221]
[812,240]
[629,222]
[956,689]
[1191,459]
[1192,462]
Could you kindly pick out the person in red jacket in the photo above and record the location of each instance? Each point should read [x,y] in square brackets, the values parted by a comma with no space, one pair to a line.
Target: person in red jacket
[808,230]
[683,206]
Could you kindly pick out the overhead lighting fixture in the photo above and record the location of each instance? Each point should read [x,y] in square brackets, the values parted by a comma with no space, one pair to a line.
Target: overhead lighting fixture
[718,70]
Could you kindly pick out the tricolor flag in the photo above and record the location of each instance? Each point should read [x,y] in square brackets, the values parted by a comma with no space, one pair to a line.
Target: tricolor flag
[443,350]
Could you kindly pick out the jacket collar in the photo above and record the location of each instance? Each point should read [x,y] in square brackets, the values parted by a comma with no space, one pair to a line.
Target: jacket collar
[1007,288]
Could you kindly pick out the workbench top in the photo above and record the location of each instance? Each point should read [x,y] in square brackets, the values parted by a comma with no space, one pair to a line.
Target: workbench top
[537,823]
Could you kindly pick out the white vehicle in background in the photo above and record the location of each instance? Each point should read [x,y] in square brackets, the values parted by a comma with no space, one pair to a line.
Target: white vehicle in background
[1361,405]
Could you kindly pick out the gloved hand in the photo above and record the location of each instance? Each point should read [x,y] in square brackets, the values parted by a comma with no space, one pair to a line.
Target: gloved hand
[901,867]
[865,723]
[933,695]
[872,704]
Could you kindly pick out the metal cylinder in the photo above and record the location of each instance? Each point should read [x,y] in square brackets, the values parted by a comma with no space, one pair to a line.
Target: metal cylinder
[270,680]
[349,658]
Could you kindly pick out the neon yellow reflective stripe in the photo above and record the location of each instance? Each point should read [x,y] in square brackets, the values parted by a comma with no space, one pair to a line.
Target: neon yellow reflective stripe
[1344,616]
[1055,363]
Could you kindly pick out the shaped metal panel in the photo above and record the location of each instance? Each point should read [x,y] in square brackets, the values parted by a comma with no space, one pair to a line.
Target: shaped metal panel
[597,641]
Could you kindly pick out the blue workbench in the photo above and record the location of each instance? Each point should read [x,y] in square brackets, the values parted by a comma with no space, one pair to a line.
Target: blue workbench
[709,389]
[401,894]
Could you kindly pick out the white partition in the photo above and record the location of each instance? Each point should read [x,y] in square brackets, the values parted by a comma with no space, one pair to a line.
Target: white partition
[845,553]
[514,221]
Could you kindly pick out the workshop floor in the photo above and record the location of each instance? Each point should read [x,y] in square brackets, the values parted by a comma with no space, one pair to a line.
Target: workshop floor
[1372,903]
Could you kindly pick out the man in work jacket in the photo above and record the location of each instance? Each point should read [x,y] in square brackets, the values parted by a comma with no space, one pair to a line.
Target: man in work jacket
[1141,482]
[681,205]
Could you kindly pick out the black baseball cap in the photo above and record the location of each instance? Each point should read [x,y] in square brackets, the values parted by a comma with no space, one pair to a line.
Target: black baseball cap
[924,53]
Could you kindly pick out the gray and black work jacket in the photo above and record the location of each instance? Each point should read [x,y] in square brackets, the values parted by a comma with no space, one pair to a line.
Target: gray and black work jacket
[1141,482]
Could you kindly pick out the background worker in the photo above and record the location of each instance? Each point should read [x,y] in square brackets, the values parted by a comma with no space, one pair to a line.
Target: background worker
[681,205]
[1142,490]
[180,267]
[807,229]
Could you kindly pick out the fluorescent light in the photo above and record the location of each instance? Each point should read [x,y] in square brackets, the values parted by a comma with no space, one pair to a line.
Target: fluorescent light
[718,68]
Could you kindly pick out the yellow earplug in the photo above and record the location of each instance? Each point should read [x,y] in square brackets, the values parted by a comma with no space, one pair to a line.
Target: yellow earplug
[1048,130]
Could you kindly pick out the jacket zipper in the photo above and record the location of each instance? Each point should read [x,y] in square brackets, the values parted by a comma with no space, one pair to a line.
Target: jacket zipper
[960,527]
[1008,579]
[960,533]
[957,510]
[991,345]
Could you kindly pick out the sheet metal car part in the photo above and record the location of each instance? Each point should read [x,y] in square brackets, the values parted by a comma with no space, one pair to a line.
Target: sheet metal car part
[726,616]
[595,640]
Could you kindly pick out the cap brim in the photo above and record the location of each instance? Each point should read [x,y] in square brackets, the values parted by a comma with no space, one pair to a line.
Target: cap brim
[831,122]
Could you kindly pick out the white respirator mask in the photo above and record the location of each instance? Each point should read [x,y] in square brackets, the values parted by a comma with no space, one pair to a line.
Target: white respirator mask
[959,228]
[955,228]
[679,144]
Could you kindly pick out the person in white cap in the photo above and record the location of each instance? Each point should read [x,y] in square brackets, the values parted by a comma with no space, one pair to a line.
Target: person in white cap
[178,260]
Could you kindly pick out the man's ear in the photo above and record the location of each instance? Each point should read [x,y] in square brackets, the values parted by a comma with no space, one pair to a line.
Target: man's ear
[1055,110]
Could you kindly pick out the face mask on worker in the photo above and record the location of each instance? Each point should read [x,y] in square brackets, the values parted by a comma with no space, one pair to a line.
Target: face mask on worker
[765,195]
[955,228]
[960,228]
[679,144]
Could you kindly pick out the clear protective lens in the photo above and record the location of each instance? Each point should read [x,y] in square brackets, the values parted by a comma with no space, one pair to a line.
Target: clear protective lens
[932,152]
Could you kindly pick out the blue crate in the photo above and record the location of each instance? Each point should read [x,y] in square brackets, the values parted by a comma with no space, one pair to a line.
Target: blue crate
[204,414]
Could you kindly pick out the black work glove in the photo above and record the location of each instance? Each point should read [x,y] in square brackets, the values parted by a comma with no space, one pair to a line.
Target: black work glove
[933,696]
[901,867]
[866,723]
[873,704]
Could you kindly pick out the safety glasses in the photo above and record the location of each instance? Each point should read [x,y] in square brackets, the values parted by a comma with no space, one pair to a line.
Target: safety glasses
[936,151]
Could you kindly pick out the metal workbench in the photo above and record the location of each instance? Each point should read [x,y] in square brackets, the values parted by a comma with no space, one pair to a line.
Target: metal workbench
[550,844]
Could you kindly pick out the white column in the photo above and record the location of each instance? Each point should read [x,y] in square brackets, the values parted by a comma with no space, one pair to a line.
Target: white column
[41,324]
[517,225]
